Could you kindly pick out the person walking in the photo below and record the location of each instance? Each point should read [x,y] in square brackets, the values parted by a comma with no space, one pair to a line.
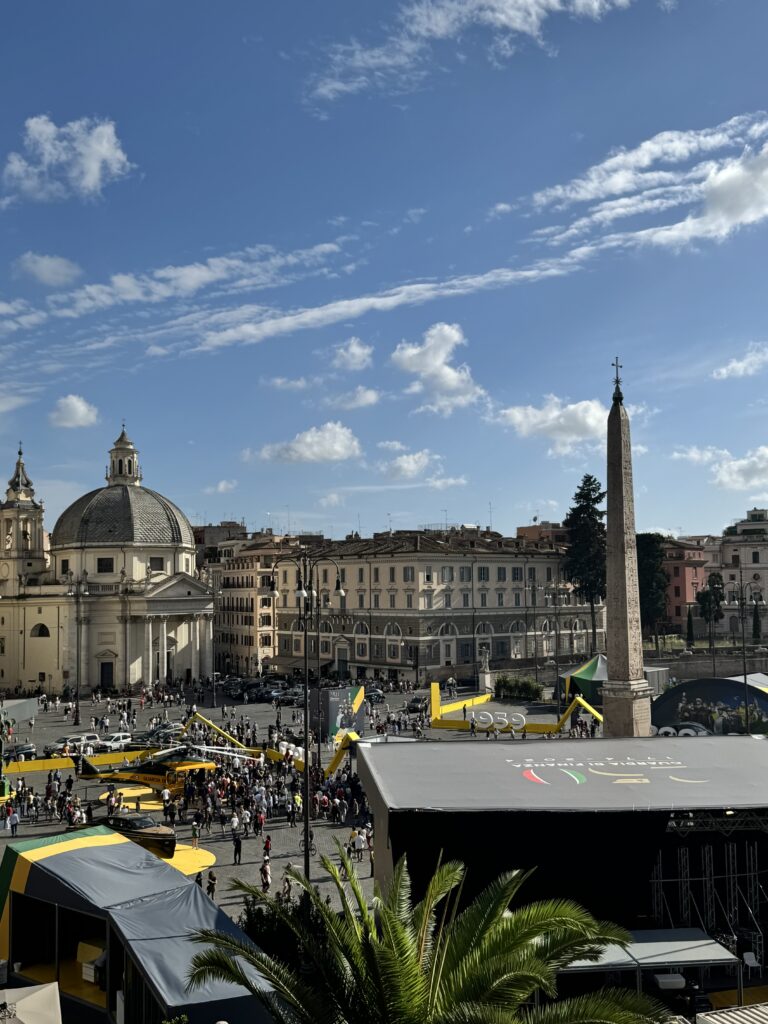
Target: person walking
[211,887]
[464,712]
[238,847]
[13,821]
[195,833]
[265,871]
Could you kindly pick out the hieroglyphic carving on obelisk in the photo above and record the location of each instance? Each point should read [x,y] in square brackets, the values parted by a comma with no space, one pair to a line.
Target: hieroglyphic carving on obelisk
[626,695]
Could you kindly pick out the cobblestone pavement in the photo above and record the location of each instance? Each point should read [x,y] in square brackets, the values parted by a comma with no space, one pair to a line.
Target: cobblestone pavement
[285,840]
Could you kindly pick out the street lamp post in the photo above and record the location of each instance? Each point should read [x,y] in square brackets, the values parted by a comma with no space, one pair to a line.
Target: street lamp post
[744,593]
[310,603]
[78,589]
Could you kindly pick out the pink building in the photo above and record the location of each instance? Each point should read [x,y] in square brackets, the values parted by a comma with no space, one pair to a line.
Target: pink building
[684,563]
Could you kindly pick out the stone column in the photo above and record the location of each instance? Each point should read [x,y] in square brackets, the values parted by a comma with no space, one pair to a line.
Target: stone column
[163,669]
[147,673]
[626,695]
[194,639]
[206,647]
[128,650]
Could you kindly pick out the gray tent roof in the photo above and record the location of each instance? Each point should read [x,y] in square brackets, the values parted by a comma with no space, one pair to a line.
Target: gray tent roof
[663,947]
[158,935]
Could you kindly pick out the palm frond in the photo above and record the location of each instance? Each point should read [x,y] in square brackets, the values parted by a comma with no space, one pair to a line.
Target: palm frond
[608,1006]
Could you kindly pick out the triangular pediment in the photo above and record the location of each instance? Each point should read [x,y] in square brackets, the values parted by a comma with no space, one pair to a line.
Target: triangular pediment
[179,586]
[106,655]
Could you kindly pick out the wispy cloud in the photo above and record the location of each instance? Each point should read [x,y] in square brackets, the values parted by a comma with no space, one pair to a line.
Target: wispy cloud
[52,271]
[222,487]
[332,442]
[567,425]
[750,364]
[402,59]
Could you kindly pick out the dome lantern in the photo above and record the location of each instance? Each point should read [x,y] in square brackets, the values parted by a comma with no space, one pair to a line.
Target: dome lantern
[123,467]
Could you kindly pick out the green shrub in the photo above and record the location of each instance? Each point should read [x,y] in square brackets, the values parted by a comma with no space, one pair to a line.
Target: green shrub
[517,689]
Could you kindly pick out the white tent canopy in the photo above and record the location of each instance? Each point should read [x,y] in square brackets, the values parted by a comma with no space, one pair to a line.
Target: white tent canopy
[37,1004]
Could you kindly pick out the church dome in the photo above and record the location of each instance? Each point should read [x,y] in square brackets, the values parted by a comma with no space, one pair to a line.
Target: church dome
[123,512]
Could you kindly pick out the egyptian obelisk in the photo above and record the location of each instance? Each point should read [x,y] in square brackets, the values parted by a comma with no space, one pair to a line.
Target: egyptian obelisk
[626,694]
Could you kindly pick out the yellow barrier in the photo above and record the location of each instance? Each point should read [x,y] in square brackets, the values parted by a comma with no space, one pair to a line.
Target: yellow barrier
[437,710]
[464,725]
[49,764]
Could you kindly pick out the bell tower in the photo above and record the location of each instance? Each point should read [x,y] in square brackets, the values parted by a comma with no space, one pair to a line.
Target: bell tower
[123,467]
[21,532]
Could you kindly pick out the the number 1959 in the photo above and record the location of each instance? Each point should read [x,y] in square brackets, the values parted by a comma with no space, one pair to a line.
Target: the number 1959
[501,719]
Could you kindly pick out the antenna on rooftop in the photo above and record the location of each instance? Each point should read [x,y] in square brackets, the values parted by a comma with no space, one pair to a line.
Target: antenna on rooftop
[490,515]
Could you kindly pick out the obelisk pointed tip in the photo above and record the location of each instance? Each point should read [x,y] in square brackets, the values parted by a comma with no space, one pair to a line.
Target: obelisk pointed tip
[618,397]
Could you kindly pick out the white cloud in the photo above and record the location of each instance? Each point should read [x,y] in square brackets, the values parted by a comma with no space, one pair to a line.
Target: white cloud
[742,474]
[391,446]
[499,210]
[79,158]
[73,411]
[156,351]
[401,61]
[10,402]
[332,500]
[53,271]
[749,365]
[288,384]
[360,398]
[353,355]
[222,487]
[700,456]
[639,449]
[447,387]
[442,483]
[414,216]
[627,170]
[332,442]
[566,425]
[411,465]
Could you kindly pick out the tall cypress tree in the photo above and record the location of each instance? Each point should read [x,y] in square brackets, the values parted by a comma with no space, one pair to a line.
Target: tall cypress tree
[652,581]
[585,561]
[690,637]
[756,625]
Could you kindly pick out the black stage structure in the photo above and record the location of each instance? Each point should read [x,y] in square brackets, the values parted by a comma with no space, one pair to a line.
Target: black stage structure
[659,832]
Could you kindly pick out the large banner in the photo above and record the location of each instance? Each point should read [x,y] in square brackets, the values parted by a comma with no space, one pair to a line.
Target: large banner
[701,707]
[337,707]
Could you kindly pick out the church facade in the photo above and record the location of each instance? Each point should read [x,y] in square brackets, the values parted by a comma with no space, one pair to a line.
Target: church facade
[114,602]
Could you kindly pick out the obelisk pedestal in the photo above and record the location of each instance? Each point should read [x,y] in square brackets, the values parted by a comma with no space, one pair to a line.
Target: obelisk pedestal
[626,694]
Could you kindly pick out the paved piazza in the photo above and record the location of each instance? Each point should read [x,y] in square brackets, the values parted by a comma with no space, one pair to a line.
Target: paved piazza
[285,840]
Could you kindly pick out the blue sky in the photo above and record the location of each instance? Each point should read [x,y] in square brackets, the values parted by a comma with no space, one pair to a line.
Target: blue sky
[350,263]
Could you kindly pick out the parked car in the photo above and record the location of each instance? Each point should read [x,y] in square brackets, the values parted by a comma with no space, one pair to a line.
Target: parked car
[75,741]
[142,740]
[374,695]
[115,741]
[19,752]
[416,705]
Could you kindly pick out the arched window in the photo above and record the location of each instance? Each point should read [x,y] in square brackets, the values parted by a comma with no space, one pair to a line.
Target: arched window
[361,629]
[40,630]
[448,629]
[325,627]
[392,629]
[119,467]
[484,627]
[517,627]
[546,626]
[130,466]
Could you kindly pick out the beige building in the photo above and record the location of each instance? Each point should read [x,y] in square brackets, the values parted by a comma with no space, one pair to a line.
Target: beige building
[430,604]
[115,602]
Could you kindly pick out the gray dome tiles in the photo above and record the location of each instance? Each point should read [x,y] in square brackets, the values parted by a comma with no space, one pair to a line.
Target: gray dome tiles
[122,514]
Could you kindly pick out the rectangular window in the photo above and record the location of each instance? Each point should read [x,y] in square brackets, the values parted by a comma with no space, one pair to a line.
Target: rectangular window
[678,613]
[391,574]
[676,571]
[361,575]
[409,600]
[446,574]
[465,649]
[532,573]
[677,591]
[361,600]
[483,573]
[378,650]
[296,645]
[157,563]
[465,573]
[2,645]
[325,576]
[105,565]
[325,646]
[393,651]
[483,600]
[64,566]
[517,574]
[285,577]
[517,599]
[428,574]
[501,574]
[446,600]
[549,574]
[755,557]
[500,600]
[376,574]
[408,574]
[428,599]
[465,600]
[375,600]
[343,575]
[392,599]
[362,651]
